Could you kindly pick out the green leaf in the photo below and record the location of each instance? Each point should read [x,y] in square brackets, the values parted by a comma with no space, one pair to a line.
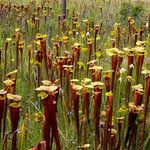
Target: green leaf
[22,137]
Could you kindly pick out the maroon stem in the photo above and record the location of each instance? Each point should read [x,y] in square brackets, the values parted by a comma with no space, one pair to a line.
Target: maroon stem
[96,75]
[76,111]
[86,97]
[120,60]
[43,45]
[128,89]
[139,63]
[75,59]
[106,129]
[2,105]
[90,51]
[41,145]
[146,102]
[131,124]
[68,100]
[119,135]
[148,22]
[50,121]
[97,106]
[0,65]
[114,67]
[4,117]
[141,33]
[55,130]
[110,103]
[46,127]
[108,123]
[137,98]
[14,116]
[61,74]
[130,61]
[108,84]
[128,82]
[39,66]
[112,142]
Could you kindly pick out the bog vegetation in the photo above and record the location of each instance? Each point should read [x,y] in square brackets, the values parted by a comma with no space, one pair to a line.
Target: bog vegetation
[74,80]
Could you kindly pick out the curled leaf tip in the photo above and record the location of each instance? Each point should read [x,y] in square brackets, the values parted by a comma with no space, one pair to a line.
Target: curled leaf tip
[112,51]
[146,72]
[138,87]
[46,82]
[97,83]
[51,88]
[85,146]
[96,68]
[3,92]
[8,39]
[14,97]
[8,82]
[77,87]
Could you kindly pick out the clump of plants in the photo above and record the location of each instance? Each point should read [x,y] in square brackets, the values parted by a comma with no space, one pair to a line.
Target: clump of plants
[77,79]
